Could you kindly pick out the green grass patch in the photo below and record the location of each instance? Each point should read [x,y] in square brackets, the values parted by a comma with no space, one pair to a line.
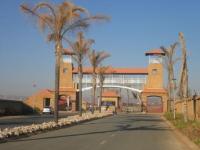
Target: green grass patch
[190,128]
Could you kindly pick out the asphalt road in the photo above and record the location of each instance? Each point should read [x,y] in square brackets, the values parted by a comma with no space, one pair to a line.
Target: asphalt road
[14,121]
[120,132]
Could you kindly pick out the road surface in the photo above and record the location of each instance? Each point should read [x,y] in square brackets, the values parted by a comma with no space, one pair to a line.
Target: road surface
[120,132]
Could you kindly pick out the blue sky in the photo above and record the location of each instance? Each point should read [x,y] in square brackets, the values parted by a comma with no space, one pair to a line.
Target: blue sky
[136,26]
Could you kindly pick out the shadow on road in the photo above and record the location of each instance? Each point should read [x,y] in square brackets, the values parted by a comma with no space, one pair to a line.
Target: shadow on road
[137,118]
[121,128]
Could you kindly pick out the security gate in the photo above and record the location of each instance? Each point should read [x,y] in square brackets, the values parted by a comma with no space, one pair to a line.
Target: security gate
[154,104]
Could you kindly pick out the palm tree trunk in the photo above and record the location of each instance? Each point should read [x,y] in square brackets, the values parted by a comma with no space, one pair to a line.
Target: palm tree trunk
[80,89]
[170,85]
[169,93]
[100,96]
[57,80]
[93,93]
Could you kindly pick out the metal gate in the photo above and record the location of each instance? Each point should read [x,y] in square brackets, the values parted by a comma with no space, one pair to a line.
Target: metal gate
[154,104]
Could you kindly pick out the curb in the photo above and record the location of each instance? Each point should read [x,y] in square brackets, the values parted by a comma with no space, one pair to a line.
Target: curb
[12,138]
[183,138]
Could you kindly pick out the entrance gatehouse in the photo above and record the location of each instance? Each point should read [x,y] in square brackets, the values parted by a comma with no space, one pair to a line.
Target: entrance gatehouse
[146,82]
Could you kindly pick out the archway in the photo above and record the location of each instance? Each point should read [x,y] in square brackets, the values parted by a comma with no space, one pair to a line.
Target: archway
[113,86]
[154,104]
[135,97]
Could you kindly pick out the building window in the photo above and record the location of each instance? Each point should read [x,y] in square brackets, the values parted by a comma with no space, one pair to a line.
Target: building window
[47,102]
[154,71]
[65,70]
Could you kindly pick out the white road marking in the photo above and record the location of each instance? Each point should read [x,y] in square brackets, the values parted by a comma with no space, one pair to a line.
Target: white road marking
[103,142]
[112,135]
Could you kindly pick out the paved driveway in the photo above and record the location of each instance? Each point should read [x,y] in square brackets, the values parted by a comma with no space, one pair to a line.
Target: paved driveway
[121,132]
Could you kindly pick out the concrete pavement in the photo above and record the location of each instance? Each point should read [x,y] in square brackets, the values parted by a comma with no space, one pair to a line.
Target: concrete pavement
[121,132]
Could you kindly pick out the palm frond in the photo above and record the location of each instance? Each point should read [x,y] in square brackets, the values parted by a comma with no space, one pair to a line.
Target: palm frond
[25,8]
[51,37]
[101,56]
[44,5]
[42,20]
[80,47]
[95,58]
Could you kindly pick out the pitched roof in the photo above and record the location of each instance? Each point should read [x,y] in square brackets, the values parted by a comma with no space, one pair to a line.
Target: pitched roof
[46,92]
[155,52]
[88,70]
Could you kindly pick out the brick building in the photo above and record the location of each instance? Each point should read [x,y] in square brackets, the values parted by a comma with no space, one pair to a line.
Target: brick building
[146,82]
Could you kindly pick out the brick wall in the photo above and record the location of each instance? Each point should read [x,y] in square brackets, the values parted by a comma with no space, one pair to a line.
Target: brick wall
[192,106]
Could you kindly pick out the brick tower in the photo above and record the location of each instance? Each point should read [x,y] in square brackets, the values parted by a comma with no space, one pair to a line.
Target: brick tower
[154,96]
[67,87]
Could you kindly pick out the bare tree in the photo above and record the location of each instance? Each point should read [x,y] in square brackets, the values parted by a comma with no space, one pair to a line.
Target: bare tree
[170,61]
[80,49]
[95,59]
[101,74]
[58,21]
[183,82]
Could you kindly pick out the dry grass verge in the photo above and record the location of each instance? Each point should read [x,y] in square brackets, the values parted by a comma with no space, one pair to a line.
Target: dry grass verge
[191,129]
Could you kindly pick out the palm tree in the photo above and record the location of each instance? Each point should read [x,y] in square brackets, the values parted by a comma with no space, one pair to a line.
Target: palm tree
[95,58]
[80,49]
[59,20]
[170,62]
[101,74]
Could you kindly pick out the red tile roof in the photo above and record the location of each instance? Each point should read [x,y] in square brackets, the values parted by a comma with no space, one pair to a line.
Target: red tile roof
[88,70]
[155,51]
[68,52]
[46,92]
[63,89]
[110,94]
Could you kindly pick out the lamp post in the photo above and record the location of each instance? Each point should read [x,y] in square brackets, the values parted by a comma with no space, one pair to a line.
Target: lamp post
[174,105]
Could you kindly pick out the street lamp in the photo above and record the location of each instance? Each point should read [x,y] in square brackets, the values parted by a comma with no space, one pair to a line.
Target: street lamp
[174,105]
